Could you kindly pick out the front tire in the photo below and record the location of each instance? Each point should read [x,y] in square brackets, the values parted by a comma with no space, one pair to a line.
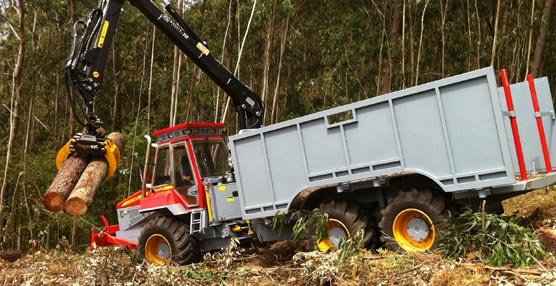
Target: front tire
[411,221]
[165,240]
[345,218]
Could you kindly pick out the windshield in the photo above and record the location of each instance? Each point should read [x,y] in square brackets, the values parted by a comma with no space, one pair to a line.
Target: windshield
[211,156]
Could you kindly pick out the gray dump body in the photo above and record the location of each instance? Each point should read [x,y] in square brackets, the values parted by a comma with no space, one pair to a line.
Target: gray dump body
[452,131]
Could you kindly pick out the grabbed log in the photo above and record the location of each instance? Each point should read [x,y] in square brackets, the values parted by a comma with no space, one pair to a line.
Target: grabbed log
[80,177]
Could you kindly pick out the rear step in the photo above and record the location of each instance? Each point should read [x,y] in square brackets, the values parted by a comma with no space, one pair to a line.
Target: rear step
[197,222]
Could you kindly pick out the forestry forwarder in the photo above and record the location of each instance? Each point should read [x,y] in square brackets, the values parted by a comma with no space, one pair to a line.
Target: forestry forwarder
[87,60]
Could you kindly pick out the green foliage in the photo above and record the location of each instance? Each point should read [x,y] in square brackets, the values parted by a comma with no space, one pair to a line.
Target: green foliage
[321,223]
[351,246]
[311,223]
[279,220]
[300,229]
[315,222]
[496,239]
[201,274]
[306,223]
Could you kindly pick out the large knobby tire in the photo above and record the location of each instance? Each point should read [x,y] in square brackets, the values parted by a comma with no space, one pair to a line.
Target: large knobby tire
[345,218]
[165,240]
[412,220]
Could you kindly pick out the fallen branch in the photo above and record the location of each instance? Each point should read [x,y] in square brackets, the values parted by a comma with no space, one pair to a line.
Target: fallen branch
[515,272]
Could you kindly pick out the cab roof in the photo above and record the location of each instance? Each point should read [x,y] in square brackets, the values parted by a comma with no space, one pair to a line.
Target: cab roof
[187,130]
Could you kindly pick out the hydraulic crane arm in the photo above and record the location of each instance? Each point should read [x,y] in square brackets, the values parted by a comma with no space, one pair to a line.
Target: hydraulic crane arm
[87,60]
[85,67]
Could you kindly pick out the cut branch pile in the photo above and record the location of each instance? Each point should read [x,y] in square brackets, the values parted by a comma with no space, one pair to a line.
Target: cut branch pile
[77,181]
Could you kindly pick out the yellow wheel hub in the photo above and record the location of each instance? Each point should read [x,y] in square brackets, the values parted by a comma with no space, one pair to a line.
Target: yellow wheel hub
[414,230]
[158,250]
[337,231]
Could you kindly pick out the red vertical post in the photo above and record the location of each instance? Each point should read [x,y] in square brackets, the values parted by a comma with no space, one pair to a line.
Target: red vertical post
[513,122]
[540,126]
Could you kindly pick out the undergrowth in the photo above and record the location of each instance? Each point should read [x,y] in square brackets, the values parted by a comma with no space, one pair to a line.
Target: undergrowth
[496,239]
[312,225]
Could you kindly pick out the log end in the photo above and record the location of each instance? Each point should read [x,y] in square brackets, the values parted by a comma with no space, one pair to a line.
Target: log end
[75,206]
[53,201]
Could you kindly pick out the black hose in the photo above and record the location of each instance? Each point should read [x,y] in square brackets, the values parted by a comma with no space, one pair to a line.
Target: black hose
[71,96]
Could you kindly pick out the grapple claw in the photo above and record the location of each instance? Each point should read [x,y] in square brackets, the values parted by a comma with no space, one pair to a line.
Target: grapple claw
[112,156]
[91,146]
[63,154]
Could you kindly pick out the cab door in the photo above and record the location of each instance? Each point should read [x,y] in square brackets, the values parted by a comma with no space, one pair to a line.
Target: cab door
[185,178]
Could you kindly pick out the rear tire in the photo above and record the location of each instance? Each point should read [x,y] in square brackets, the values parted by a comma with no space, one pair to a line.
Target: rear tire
[411,221]
[165,240]
[345,218]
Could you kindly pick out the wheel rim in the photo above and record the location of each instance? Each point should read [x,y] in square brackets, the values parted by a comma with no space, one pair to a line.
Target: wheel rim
[414,230]
[158,250]
[337,231]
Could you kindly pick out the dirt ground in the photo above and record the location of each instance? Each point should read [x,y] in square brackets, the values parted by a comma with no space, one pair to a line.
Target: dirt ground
[285,263]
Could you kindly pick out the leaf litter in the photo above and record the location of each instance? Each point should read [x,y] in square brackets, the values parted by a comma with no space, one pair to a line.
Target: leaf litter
[290,263]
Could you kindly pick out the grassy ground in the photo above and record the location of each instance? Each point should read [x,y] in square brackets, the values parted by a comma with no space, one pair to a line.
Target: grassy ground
[285,263]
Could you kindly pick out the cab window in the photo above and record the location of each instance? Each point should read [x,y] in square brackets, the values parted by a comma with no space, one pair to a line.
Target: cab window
[212,157]
[162,168]
[183,174]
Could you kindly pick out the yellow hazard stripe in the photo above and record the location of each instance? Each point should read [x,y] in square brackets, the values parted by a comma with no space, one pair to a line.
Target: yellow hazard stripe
[103,34]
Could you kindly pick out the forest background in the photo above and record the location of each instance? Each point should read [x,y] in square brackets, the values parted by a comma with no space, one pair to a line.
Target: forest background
[300,56]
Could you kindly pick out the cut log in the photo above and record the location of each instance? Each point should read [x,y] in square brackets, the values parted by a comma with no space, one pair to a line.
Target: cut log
[63,183]
[87,186]
[89,183]
[10,255]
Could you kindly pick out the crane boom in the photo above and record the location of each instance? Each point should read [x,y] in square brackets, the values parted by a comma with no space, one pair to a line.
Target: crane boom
[85,67]
[87,60]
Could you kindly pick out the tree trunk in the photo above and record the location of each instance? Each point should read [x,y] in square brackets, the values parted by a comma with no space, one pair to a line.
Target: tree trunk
[73,233]
[89,182]
[63,183]
[267,55]
[224,48]
[530,41]
[174,94]
[420,43]
[541,40]
[495,36]
[240,52]
[25,152]
[116,101]
[73,19]
[283,40]
[73,16]
[394,36]
[479,38]
[149,90]
[16,98]
[444,15]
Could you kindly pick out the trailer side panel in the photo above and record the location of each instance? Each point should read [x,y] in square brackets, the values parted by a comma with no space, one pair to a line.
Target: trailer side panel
[451,131]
